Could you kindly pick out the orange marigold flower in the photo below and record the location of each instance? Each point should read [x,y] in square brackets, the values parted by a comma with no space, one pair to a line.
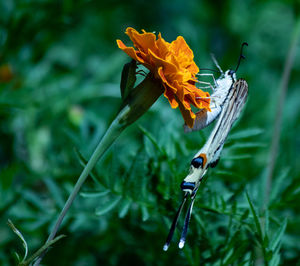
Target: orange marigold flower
[172,63]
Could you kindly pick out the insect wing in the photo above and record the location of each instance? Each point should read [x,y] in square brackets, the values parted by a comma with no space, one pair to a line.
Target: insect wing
[221,91]
[231,111]
[203,119]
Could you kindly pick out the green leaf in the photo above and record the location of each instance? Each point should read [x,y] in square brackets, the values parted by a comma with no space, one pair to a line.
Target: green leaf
[80,157]
[228,256]
[94,194]
[223,202]
[268,255]
[83,162]
[266,221]
[278,184]
[226,173]
[145,214]
[251,132]
[208,208]
[256,220]
[17,256]
[34,199]
[152,140]
[240,249]
[19,234]
[237,157]
[275,260]
[266,229]
[55,191]
[109,206]
[278,235]
[245,215]
[247,145]
[124,208]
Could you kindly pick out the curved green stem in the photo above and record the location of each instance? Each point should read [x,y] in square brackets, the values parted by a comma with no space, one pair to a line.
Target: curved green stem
[138,102]
[111,134]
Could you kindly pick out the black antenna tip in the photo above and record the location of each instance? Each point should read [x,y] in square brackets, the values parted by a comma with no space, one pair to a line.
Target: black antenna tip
[241,56]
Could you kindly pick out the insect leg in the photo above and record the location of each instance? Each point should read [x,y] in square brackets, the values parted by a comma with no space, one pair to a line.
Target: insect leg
[209,75]
[206,83]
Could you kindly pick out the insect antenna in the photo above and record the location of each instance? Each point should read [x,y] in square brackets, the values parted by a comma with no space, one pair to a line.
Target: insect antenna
[186,224]
[174,223]
[209,69]
[241,56]
[216,63]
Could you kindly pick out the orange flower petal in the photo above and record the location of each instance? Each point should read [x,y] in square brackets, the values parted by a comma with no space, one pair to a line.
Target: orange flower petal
[163,47]
[130,51]
[170,96]
[144,41]
[168,68]
[172,63]
[183,52]
[188,115]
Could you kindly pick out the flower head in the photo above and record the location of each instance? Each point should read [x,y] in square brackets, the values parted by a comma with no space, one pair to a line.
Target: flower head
[172,63]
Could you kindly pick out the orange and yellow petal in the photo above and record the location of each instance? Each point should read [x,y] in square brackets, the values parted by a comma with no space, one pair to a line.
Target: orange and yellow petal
[169,90]
[142,41]
[187,114]
[129,51]
[172,63]
[169,94]
[167,67]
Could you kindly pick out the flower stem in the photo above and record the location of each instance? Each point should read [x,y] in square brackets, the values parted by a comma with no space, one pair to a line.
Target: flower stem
[115,129]
[140,100]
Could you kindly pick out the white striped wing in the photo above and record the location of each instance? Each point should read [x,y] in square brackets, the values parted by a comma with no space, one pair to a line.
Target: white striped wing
[218,98]
[230,112]
[203,119]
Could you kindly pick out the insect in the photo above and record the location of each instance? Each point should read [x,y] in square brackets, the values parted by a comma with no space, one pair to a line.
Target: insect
[220,91]
[209,154]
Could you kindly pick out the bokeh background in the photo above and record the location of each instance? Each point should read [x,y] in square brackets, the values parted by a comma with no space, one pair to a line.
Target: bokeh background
[60,72]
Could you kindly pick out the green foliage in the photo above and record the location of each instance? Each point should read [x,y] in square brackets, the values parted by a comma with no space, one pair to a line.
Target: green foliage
[65,91]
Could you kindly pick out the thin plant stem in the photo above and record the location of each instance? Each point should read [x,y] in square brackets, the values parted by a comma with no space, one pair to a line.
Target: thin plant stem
[41,250]
[278,117]
[140,100]
[111,134]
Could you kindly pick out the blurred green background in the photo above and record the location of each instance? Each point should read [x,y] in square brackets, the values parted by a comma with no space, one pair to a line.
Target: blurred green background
[60,71]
